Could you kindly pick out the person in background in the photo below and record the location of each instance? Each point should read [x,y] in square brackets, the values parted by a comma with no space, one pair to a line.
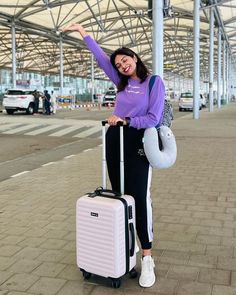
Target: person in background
[53,102]
[137,110]
[36,102]
[47,101]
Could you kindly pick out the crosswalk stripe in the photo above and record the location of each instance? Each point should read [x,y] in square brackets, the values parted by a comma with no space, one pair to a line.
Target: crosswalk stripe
[88,132]
[65,131]
[9,126]
[20,129]
[84,130]
[43,129]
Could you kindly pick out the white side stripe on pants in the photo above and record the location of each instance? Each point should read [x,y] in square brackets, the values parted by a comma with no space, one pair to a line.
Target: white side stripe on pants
[149,206]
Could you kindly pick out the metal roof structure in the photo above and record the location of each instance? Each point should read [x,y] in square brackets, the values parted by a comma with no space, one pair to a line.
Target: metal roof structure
[113,23]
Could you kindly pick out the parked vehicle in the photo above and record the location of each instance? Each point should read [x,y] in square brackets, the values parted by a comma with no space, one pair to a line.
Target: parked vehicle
[20,100]
[186,102]
[109,97]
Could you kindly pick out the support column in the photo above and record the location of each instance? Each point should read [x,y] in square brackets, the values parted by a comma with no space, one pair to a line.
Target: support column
[230,77]
[224,65]
[157,38]
[179,83]
[92,78]
[211,60]
[61,66]
[13,46]
[168,80]
[174,87]
[196,63]
[227,75]
[219,70]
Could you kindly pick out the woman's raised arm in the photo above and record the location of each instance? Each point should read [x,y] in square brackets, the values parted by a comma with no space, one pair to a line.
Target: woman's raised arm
[101,57]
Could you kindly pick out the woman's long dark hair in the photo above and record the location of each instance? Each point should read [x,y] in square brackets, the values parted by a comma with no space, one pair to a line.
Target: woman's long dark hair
[141,69]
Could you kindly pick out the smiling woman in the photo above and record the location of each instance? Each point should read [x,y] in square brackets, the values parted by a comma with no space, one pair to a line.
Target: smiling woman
[137,109]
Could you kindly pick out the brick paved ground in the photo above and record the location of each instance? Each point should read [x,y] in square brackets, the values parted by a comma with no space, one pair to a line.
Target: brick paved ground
[194,219]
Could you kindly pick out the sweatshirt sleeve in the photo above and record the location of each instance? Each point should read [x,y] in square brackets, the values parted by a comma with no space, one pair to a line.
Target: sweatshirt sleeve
[102,59]
[155,109]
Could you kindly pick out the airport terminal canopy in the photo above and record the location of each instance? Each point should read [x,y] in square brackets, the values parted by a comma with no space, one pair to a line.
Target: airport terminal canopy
[113,23]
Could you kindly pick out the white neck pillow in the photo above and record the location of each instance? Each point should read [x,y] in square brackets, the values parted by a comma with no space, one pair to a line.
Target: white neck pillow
[157,158]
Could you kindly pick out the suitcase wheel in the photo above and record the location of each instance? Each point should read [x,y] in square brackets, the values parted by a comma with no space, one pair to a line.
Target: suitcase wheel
[86,274]
[116,283]
[133,273]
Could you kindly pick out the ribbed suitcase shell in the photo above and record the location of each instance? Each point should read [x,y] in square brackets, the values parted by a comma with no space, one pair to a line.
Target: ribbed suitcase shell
[101,237]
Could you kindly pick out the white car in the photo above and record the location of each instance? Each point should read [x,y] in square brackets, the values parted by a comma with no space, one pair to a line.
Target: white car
[110,97]
[186,102]
[20,100]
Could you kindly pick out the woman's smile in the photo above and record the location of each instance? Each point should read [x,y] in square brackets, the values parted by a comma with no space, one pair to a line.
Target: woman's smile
[126,69]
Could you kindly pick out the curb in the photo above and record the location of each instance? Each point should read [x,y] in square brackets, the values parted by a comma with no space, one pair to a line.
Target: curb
[78,106]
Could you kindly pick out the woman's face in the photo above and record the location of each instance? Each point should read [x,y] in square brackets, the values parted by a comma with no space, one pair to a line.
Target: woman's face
[126,65]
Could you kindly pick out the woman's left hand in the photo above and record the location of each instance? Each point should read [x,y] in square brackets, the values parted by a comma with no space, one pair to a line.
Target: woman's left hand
[113,119]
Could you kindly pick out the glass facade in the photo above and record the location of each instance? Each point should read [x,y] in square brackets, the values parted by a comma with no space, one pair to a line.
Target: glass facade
[79,87]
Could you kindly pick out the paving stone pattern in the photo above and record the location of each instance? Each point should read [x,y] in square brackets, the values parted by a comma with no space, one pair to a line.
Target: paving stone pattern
[194,205]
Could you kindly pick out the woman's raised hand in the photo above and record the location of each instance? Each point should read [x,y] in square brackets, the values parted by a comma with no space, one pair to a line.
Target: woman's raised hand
[75,28]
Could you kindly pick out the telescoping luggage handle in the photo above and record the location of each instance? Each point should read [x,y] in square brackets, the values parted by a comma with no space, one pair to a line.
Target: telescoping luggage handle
[122,182]
[104,161]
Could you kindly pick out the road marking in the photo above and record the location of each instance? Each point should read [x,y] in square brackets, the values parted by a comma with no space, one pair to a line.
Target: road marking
[65,131]
[43,129]
[20,129]
[9,126]
[88,132]
[85,151]
[68,157]
[47,164]
[82,130]
[21,173]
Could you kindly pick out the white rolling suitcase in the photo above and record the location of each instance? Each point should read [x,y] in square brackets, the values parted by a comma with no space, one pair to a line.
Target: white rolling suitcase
[105,229]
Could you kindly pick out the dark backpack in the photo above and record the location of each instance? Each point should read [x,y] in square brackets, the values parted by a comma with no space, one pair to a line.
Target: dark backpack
[167,115]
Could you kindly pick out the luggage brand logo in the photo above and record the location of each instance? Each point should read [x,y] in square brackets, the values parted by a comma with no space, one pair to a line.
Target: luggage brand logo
[94,214]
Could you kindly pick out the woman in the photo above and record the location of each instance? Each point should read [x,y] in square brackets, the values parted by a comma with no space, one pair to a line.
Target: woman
[138,110]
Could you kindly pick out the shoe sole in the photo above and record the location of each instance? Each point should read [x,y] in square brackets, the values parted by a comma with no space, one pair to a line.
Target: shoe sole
[148,286]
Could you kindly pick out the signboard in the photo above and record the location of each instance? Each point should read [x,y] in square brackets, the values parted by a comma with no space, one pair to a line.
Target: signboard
[169,66]
[24,83]
[65,100]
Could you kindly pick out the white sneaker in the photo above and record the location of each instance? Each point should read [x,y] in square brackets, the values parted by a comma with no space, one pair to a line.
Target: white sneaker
[147,277]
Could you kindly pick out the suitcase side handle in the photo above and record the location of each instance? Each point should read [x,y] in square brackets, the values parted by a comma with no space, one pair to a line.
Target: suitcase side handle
[131,227]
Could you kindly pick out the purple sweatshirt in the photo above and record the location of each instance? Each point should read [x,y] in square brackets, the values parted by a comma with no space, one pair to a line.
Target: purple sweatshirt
[134,101]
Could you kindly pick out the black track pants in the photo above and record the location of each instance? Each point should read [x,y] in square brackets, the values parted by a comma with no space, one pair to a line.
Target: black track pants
[137,176]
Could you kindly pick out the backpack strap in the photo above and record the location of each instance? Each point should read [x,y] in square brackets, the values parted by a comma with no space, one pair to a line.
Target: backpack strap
[151,83]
